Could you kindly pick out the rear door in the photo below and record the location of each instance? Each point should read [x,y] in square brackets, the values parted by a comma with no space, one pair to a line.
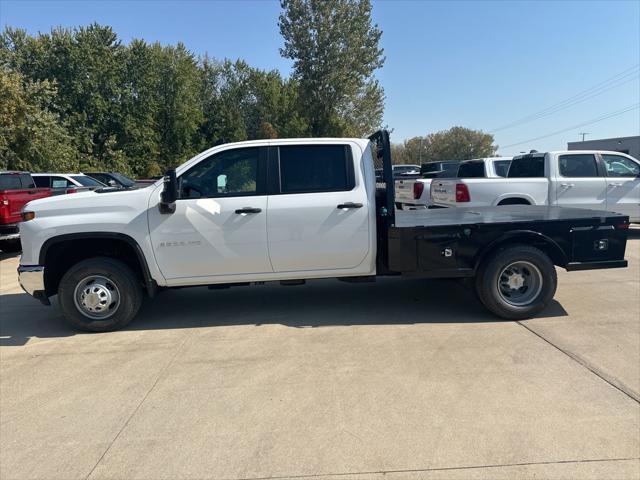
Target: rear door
[317,216]
[580,182]
[623,185]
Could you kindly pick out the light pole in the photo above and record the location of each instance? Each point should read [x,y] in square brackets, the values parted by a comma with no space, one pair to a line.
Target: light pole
[583,134]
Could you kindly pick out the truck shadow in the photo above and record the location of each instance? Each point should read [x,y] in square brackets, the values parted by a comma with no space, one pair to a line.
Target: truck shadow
[317,304]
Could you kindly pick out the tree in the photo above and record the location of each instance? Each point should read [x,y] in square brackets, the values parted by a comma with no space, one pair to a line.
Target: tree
[32,137]
[457,143]
[334,47]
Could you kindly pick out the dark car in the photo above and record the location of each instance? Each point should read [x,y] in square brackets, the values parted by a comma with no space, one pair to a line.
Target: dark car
[113,179]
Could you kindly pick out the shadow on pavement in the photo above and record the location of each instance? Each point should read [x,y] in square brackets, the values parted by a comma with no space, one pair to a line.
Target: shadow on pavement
[319,303]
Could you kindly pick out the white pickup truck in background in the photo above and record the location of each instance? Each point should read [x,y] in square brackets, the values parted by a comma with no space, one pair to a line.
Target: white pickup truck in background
[412,193]
[578,178]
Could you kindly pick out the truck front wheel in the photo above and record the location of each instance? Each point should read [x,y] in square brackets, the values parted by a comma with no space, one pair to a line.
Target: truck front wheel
[517,282]
[99,294]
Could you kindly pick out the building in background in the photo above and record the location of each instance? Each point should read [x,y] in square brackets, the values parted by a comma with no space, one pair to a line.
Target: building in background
[628,145]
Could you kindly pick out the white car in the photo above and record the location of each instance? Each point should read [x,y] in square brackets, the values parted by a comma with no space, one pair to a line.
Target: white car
[597,180]
[415,193]
[62,183]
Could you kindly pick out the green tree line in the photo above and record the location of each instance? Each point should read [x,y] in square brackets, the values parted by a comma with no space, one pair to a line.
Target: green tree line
[81,99]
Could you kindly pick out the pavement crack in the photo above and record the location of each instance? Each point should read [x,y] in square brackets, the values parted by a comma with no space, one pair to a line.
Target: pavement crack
[593,369]
[436,469]
[144,398]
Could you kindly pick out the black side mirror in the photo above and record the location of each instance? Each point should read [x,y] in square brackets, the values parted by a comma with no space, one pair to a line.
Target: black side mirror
[169,193]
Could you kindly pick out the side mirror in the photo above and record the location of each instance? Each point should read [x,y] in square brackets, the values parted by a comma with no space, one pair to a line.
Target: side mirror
[169,193]
[112,183]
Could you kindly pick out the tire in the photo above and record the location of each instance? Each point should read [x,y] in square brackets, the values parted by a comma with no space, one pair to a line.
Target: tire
[87,284]
[506,282]
[11,246]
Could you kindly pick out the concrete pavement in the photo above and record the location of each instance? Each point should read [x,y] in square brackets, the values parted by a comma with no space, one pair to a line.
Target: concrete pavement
[401,379]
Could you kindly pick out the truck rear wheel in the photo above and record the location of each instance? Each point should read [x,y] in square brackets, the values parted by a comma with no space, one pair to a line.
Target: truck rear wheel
[99,294]
[517,282]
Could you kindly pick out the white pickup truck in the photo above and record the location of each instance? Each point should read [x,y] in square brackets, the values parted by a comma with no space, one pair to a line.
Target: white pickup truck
[415,193]
[291,210]
[577,178]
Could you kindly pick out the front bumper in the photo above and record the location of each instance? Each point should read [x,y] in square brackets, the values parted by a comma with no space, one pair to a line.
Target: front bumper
[31,278]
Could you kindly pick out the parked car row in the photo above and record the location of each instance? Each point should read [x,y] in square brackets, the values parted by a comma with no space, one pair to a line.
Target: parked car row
[590,179]
[18,188]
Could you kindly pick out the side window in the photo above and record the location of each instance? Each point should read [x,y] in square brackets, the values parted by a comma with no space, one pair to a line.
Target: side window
[527,167]
[60,182]
[471,170]
[26,181]
[10,181]
[316,168]
[502,167]
[230,173]
[617,166]
[580,165]
[42,182]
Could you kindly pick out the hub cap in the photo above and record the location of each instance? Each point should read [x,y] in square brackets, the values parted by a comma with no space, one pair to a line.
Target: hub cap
[520,283]
[97,297]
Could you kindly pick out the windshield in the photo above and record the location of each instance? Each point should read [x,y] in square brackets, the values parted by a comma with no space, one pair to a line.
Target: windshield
[126,181]
[86,181]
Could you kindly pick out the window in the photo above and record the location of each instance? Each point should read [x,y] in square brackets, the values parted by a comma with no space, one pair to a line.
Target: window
[10,181]
[60,182]
[86,181]
[316,168]
[528,166]
[580,165]
[42,182]
[471,170]
[617,166]
[26,181]
[226,174]
[502,167]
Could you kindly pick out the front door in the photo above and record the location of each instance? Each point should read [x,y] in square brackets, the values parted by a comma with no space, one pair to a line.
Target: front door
[219,225]
[318,217]
[580,183]
[623,185]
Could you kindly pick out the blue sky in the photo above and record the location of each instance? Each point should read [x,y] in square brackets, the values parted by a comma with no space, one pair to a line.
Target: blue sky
[478,64]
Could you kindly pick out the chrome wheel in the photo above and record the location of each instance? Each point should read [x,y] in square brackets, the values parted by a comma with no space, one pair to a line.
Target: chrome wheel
[519,283]
[97,297]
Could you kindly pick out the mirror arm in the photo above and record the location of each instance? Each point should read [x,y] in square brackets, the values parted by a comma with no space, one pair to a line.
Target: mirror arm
[169,193]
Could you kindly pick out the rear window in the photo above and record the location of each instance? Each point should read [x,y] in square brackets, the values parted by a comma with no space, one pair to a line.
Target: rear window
[86,181]
[581,165]
[471,170]
[10,181]
[502,167]
[527,167]
[315,168]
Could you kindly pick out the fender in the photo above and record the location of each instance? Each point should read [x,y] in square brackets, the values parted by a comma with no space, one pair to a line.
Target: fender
[557,254]
[149,282]
[519,196]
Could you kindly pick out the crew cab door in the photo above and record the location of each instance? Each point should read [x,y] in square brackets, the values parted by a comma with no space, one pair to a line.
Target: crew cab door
[219,225]
[318,217]
[579,182]
[623,185]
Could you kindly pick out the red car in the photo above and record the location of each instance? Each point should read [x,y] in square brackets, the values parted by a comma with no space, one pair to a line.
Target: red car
[16,190]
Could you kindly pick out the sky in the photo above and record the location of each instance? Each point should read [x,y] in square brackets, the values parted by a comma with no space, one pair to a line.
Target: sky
[544,70]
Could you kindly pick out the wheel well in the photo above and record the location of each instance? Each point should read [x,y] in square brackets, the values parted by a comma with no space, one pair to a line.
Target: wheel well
[61,256]
[514,201]
[548,246]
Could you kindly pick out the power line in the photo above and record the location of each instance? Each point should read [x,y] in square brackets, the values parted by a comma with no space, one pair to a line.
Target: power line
[622,78]
[589,122]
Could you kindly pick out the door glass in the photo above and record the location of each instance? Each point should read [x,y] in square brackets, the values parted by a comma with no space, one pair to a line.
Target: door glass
[471,170]
[617,166]
[315,168]
[527,167]
[10,181]
[580,165]
[42,182]
[59,182]
[225,174]
[27,181]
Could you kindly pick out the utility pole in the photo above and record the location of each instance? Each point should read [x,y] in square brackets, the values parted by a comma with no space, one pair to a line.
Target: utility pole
[420,154]
[583,134]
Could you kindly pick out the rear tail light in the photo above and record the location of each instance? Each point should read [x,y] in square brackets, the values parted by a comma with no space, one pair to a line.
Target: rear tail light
[622,226]
[5,201]
[462,193]
[418,188]
[71,190]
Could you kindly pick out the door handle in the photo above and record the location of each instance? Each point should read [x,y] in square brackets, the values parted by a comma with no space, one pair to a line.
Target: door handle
[567,185]
[615,184]
[349,205]
[242,210]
